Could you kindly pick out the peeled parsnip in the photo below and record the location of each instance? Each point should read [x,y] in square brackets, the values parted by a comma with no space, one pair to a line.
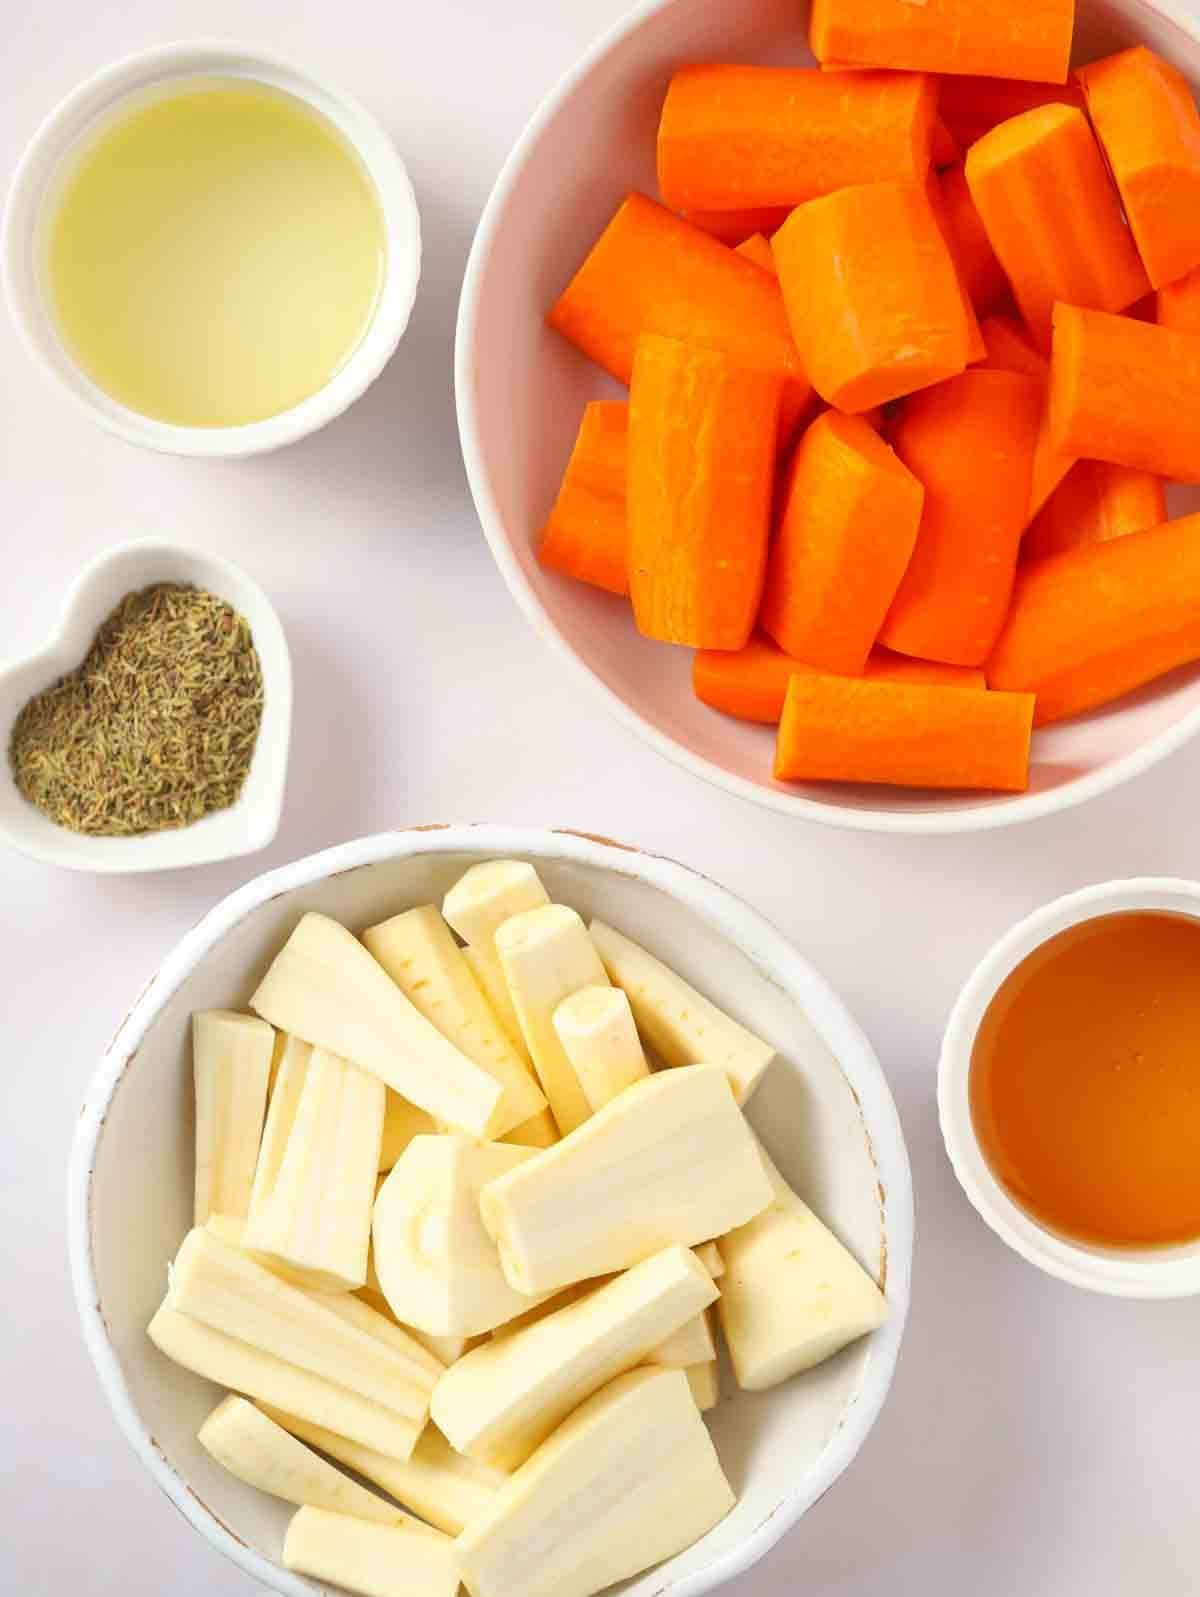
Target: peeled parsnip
[490,893]
[596,1029]
[691,1344]
[402,1121]
[374,1560]
[705,1382]
[231,1056]
[709,1255]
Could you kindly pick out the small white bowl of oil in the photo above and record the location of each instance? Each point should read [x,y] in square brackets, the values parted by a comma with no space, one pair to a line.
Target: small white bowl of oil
[210,250]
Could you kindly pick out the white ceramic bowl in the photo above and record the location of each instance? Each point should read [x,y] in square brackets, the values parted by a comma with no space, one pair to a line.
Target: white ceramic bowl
[522,389]
[824,1110]
[1169,1272]
[85,108]
[249,824]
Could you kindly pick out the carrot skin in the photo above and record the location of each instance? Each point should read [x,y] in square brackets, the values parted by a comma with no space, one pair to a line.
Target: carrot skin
[836,729]
[1095,502]
[971,442]
[980,271]
[1096,622]
[1127,392]
[701,473]
[736,137]
[586,534]
[989,38]
[751,683]
[1146,120]
[1053,217]
[872,295]
[1009,349]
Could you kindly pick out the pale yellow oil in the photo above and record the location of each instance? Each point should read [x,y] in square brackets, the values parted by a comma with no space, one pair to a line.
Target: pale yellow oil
[215,253]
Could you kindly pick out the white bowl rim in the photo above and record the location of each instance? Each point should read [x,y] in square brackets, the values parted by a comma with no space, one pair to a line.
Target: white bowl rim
[365,362]
[1149,1273]
[756,937]
[1000,812]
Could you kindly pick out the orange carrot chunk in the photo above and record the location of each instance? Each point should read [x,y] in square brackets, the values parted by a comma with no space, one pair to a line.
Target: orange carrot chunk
[845,535]
[1095,502]
[751,683]
[944,149]
[739,136]
[757,249]
[1127,392]
[1051,212]
[1009,350]
[976,348]
[1096,622]
[1146,120]
[1027,39]
[735,227]
[971,107]
[1178,304]
[585,536]
[971,442]
[701,472]
[837,729]
[872,295]
[980,271]
[650,272]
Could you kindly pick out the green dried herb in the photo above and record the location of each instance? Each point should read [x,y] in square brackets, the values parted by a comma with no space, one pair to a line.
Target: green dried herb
[155,729]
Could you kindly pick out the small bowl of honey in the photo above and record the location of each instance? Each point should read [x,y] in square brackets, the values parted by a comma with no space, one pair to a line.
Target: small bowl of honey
[212,251]
[1069,1088]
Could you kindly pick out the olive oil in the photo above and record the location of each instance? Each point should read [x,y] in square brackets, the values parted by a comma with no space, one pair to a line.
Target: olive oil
[214,253]
[1085,1082]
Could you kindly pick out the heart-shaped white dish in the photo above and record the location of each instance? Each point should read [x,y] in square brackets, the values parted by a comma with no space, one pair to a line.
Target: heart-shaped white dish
[249,824]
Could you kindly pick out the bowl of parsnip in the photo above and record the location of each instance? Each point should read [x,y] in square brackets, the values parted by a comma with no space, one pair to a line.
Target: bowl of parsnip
[448,1180]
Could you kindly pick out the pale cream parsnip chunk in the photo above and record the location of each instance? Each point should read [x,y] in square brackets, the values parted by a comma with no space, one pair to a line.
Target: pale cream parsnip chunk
[231,1063]
[596,1029]
[374,1560]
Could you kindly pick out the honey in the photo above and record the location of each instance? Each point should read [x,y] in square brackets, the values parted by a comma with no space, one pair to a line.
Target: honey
[1085,1082]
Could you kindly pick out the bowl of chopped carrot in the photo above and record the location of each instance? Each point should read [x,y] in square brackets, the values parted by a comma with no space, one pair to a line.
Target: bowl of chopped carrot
[829,389]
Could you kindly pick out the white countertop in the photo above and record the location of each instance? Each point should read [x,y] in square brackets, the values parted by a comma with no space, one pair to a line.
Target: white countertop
[1038,1441]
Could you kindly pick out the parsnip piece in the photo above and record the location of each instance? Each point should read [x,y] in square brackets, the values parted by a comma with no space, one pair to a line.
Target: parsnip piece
[437,1267]
[402,1121]
[228,1290]
[551,1305]
[418,951]
[290,1067]
[233,1363]
[229,1230]
[446,1349]
[540,1132]
[231,1056]
[671,1160]
[681,1025]
[709,1255]
[251,1446]
[547,955]
[500,1402]
[792,1295]
[691,1344]
[484,964]
[596,1029]
[324,987]
[316,1213]
[630,1479]
[705,1382]
[374,1560]
[445,1488]
[490,893]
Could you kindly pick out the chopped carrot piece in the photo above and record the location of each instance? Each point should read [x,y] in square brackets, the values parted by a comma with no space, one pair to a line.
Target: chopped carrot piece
[650,272]
[1009,350]
[701,472]
[586,534]
[741,136]
[1127,392]
[943,146]
[971,442]
[757,249]
[1096,622]
[976,348]
[872,295]
[837,729]
[992,38]
[1094,503]
[751,683]
[846,532]
[971,107]
[981,273]
[735,227]
[1178,304]
[1051,212]
[1146,120]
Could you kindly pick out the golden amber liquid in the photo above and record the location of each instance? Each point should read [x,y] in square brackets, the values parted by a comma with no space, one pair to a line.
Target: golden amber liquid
[1085,1082]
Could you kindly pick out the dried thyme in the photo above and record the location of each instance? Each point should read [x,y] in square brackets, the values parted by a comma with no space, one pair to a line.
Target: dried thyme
[155,729]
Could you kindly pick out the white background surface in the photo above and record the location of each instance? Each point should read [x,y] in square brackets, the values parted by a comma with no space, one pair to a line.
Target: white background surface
[1037,1441]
